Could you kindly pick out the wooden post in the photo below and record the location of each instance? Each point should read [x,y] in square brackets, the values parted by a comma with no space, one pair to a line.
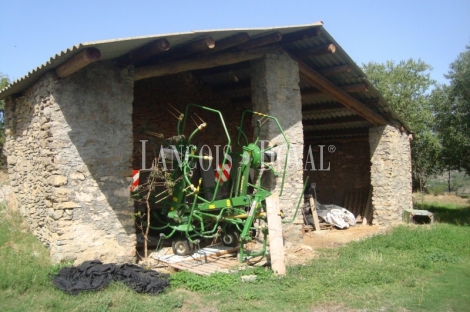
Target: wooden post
[276,243]
[367,213]
[313,208]
[77,62]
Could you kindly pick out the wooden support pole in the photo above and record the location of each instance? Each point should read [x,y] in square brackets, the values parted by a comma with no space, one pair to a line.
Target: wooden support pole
[317,51]
[207,61]
[276,244]
[77,62]
[320,82]
[229,42]
[368,212]
[336,70]
[145,52]
[261,41]
[332,121]
[301,35]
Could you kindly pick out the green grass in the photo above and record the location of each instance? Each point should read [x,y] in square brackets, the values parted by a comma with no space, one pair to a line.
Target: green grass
[416,268]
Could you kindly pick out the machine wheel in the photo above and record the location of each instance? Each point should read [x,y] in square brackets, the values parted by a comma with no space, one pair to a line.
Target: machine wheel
[182,247]
[231,238]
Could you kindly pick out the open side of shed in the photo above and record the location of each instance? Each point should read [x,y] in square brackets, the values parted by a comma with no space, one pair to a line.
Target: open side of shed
[74,127]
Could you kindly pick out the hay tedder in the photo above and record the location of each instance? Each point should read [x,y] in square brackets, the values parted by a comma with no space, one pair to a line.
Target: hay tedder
[209,208]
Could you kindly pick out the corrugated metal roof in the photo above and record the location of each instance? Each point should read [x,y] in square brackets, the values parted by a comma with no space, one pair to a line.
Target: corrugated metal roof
[114,48]
[111,49]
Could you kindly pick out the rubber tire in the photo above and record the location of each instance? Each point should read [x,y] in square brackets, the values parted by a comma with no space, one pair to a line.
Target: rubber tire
[231,238]
[182,247]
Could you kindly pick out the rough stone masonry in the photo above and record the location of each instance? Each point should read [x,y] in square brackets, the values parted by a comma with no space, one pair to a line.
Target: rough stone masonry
[69,148]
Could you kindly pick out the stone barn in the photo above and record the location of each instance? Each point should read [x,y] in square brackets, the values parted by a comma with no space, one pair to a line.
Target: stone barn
[75,126]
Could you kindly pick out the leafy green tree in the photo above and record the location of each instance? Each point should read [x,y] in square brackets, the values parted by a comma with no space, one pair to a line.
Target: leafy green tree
[406,86]
[4,81]
[452,113]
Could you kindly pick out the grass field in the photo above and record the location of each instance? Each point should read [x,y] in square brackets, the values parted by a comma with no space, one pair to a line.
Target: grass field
[410,268]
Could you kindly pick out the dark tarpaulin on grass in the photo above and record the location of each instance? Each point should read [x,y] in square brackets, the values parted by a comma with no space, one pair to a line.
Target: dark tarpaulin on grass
[94,275]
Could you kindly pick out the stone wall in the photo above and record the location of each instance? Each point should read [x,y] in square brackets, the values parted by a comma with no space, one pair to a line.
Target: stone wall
[276,92]
[69,148]
[349,169]
[390,173]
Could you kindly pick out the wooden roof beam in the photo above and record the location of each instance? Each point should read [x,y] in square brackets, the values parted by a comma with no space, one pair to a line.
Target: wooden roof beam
[301,35]
[203,44]
[145,52]
[207,61]
[360,87]
[226,43]
[318,81]
[77,62]
[261,41]
[222,69]
[317,51]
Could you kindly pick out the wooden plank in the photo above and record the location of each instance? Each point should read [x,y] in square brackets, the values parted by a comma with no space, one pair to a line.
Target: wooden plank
[275,234]
[316,223]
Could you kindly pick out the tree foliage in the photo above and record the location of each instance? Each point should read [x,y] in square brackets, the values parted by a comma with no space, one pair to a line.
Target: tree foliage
[452,112]
[407,88]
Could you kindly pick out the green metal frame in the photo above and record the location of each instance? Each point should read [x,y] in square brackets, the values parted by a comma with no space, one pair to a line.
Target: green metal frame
[187,214]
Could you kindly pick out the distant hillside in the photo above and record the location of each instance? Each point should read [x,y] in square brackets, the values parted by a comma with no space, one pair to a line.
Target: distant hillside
[459,183]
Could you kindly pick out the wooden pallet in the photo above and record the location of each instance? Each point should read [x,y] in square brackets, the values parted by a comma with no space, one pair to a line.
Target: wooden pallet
[358,203]
[208,266]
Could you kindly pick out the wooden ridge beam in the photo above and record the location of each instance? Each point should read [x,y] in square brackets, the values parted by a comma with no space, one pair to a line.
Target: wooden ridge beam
[335,70]
[332,121]
[261,41]
[320,82]
[229,42]
[308,135]
[301,35]
[317,51]
[77,62]
[207,61]
[145,52]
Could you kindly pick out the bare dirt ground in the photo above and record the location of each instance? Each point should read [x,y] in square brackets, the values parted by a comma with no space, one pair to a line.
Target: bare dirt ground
[301,254]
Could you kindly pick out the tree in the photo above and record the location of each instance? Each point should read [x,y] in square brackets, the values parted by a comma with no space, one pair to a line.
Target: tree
[406,87]
[452,112]
[4,81]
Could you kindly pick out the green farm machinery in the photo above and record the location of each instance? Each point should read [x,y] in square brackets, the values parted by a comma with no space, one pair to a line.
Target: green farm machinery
[188,212]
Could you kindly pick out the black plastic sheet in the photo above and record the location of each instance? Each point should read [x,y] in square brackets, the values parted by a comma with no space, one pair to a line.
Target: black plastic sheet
[94,275]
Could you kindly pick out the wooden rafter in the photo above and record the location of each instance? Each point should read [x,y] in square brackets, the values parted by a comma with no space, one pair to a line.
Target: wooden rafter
[77,62]
[318,81]
[332,121]
[145,52]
